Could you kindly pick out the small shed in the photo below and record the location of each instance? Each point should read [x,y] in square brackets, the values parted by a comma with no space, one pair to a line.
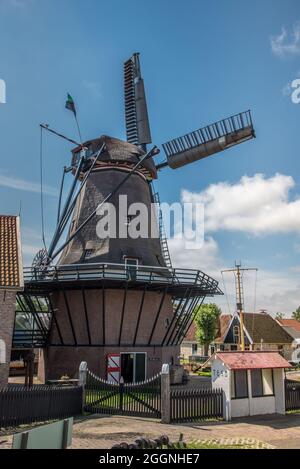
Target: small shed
[253,382]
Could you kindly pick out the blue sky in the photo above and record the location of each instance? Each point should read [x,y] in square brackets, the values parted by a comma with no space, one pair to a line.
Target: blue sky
[201,61]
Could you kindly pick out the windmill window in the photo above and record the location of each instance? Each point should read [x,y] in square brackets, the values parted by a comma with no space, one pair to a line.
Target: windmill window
[129,219]
[89,151]
[131,265]
[88,253]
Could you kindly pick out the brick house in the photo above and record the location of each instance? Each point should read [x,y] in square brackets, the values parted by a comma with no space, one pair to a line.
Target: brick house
[11,281]
[191,348]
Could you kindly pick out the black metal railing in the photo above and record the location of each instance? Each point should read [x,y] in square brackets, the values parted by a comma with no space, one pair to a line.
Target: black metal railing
[120,272]
[292,395]
[139,399]
[211,132]
[188,405]
[39,403]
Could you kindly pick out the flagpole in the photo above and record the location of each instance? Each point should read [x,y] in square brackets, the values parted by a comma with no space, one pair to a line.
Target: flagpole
[78,128]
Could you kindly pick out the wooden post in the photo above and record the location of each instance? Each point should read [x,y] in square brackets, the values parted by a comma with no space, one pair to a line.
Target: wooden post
[83,368]
[165,394]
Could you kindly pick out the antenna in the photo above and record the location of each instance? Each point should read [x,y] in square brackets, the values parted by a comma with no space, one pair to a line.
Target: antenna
[239,287]
[136,113]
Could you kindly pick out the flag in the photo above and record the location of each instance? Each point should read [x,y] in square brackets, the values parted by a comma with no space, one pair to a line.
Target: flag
[70,104]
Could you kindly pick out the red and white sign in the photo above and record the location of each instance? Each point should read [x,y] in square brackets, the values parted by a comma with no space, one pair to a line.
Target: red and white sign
[113,367]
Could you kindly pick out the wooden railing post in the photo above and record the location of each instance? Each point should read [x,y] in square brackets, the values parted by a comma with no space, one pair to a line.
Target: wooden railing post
[165,394]
[82,381]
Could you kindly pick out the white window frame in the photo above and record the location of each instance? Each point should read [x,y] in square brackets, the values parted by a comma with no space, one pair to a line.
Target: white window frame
[128,258]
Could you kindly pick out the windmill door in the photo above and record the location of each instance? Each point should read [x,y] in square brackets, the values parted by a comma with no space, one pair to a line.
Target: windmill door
[133,367]
[113,367]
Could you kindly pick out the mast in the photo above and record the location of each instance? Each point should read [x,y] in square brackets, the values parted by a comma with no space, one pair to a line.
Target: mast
[238,274]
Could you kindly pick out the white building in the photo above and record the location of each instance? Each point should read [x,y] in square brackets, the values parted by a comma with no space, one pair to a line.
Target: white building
[253,382]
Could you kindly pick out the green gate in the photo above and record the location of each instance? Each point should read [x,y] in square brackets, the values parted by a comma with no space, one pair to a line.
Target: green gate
[139,399]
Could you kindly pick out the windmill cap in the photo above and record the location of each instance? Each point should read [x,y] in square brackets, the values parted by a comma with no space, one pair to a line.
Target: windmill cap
[118,150]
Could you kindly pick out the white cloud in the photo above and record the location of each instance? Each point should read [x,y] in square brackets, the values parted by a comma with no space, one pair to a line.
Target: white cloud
[285,44]
[255,205]
[269,290]
[24,185]
[206,258]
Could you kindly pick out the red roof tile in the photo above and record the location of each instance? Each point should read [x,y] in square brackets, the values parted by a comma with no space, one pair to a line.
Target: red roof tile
[11,269]
[290,323]
[191,333]
[224,321]
[252,360]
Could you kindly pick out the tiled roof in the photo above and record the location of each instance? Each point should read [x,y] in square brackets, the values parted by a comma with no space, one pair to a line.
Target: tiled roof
[290,323]
[252,360]
[224,321]
[191,334]
[11,268]
[261,326]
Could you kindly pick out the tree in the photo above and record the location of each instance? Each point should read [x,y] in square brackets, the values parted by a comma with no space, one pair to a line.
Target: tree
[207,318]
[279,316]
[296,314]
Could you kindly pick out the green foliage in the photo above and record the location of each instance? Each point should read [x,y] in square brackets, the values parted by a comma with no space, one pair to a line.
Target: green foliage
[206,320]
[296,314]
[279,316]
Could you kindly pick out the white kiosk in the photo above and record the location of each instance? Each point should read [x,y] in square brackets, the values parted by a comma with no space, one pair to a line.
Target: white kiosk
[253,382]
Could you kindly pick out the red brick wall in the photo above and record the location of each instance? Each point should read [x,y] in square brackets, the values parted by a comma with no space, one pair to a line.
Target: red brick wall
[7,316]
[65,360]
[59,361]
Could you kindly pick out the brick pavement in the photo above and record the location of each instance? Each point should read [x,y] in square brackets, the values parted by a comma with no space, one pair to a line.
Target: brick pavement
[102,432]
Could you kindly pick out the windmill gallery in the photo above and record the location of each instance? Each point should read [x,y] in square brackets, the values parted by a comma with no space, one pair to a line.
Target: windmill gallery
[116,302]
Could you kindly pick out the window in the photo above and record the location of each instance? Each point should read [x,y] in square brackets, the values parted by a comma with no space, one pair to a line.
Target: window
[239,384]
[194,349]
[88,253]
[236,334]
[262,383]
[268,385]
[131,264]
[256,383]
[129,219]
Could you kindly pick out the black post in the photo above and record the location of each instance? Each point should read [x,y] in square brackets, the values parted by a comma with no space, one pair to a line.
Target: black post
[121,391]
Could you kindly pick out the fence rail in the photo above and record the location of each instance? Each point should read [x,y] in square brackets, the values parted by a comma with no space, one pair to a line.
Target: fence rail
[188,405]
[20,405]
[292,395]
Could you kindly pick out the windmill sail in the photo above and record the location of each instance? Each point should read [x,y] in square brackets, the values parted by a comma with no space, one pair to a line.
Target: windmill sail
[136,113]
[209,140]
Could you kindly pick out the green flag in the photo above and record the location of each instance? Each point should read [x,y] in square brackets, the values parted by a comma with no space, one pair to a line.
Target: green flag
[70,104]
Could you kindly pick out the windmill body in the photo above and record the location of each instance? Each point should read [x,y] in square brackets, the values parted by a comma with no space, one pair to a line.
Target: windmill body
[115,301]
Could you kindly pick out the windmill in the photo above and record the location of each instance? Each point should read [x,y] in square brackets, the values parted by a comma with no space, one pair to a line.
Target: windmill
[115,298]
